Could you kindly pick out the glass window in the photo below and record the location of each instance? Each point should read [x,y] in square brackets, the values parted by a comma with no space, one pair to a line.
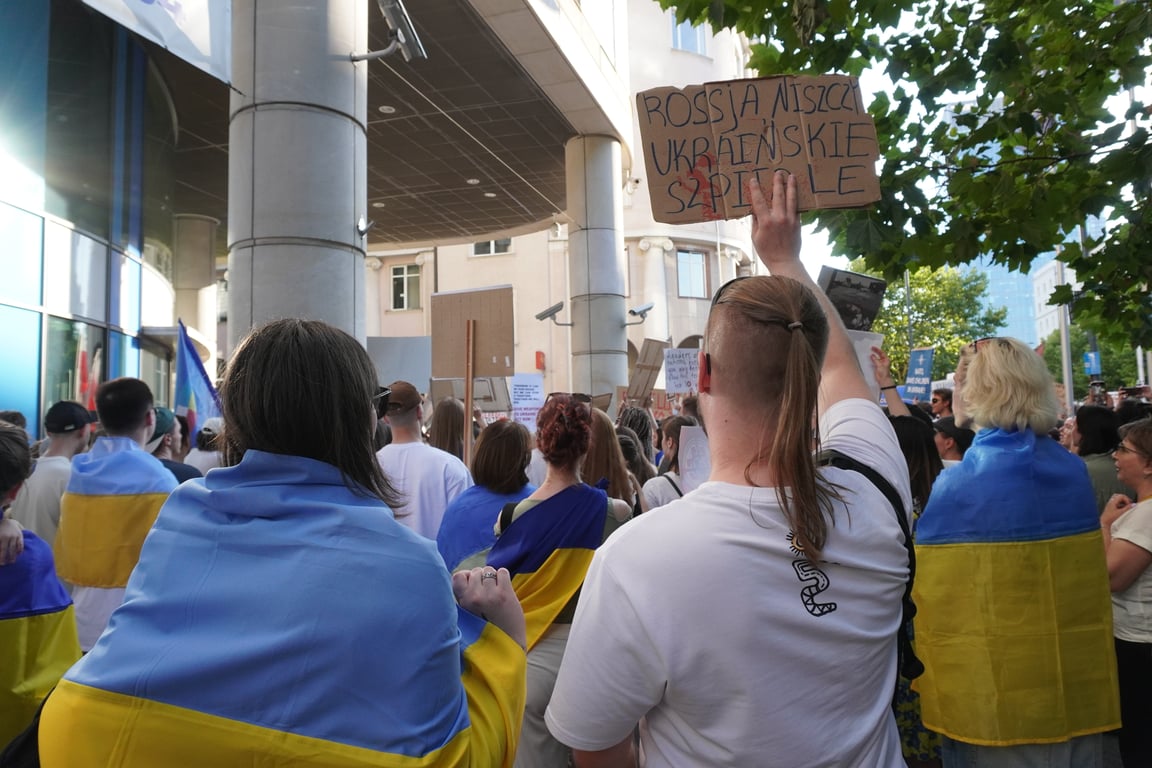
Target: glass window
[123,356]
[77,270]
[406,287]
[21,233]
[74,361]
[492,247]
[20,351]
[129,293]
[156,372]
[691,274]
[686,37]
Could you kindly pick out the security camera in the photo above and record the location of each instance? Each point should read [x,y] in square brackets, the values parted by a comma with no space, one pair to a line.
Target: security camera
[396,17]
[642,310]
[552,311]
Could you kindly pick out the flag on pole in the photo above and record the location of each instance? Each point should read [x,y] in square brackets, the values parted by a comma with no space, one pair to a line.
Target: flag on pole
[196,398]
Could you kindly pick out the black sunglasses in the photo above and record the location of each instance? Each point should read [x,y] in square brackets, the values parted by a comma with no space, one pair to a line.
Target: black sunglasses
[380,399]
[720,292]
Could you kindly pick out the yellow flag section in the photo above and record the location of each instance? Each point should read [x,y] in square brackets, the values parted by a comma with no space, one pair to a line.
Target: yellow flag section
[113,496]
[37,635]
[116,729]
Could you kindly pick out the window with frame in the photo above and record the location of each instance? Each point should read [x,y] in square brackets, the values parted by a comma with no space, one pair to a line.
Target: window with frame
[692,274]
[492,247]
[406,286]
[686,37]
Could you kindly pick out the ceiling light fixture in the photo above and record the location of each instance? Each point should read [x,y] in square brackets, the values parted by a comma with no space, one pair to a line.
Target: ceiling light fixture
[377,204]
[489,194]
[473,182]
[386,109]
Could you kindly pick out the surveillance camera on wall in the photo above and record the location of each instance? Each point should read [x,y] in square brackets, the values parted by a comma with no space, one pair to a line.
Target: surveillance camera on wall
[396,17]
[642,310]
[552,311]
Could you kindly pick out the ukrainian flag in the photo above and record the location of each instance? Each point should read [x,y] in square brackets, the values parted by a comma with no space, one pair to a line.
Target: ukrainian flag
[548,550]
[1014,621]
[278,619]
[114,494]
[37,635]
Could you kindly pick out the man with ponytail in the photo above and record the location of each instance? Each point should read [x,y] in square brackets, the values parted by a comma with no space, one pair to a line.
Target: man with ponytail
[754,620]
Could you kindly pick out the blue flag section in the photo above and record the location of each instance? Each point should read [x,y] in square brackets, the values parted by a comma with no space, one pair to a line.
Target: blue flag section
[196,398]
[918,382]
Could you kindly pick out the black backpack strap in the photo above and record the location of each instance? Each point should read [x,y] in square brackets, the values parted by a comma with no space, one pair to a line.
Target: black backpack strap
[910,666]
[506,513]
[674,486]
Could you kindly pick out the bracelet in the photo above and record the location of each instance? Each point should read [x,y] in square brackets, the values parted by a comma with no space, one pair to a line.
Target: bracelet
[890,386]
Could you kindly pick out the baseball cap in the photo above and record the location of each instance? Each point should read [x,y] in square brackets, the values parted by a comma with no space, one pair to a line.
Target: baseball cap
[164,421]
[67,416]
[947,427]
[404,397]
[213,426]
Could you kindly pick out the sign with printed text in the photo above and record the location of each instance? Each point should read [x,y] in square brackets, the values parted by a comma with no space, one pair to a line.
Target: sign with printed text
[703,144]
[198,31]
[918,382]
[681,370]
[527,398]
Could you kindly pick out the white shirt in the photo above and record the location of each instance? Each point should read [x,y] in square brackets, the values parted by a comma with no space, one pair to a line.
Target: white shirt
[37,505]
[427,479]
[658,491]
[736,650]
[1132,608]
[203,460]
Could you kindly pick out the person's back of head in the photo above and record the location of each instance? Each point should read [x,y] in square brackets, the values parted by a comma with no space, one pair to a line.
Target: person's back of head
[640,422]
[124,406]
[918,444]
[208,438]
[773,395]
[563,431]
[304,388]
[605,459]
[404,412]
[690,407]
[630,447]
[1002,382]
[67,424]
[446,430]
[501,455]
[15,460]
[1132,410]
[15,418]
[1097,430]
[672,428]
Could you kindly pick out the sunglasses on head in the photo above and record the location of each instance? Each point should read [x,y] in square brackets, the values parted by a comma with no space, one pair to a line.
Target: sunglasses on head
[380,399]
[579,397]
[720,292]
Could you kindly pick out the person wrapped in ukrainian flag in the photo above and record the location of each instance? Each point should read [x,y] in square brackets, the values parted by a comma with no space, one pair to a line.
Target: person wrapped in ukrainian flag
[280,616]
[1014,622]
[37,624]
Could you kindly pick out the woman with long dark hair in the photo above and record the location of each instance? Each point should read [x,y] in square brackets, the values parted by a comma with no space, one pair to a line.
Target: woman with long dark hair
[668,486]
[280,615]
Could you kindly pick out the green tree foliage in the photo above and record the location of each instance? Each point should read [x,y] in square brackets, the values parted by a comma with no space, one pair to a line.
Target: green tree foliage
[996,139]
[1117,362]
[948,311]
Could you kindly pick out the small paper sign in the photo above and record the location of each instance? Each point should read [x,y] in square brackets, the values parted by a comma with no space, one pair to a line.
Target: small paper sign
[681,370]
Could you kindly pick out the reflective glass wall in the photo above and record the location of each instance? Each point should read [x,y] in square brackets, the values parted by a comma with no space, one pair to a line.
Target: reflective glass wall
[87,138]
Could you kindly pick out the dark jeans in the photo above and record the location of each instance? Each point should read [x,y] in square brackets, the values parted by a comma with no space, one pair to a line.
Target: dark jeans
[1134,664]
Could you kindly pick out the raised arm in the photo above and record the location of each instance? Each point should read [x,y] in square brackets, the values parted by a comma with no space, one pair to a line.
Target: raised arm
[882,370]
[776,236]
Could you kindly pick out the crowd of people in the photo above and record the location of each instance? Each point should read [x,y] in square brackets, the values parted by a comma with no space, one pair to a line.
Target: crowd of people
[338,587]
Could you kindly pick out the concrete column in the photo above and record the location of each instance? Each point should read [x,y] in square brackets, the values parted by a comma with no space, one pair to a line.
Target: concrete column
[596,264]
[194,269]
[297,160]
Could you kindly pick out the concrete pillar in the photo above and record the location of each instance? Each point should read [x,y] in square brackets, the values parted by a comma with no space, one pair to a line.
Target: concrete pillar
[596,265]
[297,159]
[194,269]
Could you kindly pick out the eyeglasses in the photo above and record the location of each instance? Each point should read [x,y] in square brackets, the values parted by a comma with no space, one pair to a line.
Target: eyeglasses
[986,340]
[1127,449]
[579,397]
[935,400]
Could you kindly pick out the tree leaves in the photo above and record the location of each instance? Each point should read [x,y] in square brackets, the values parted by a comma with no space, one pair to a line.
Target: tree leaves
[998,138]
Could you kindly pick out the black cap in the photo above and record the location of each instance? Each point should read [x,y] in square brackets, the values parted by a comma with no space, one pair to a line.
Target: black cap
[947,427]
[66,416]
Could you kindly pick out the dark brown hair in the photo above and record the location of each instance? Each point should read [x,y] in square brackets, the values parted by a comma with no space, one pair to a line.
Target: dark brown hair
[446,431]
[563,430]
[671,428]
[501,455]
[767,337]
[304,388]
[123,405]
[15,457]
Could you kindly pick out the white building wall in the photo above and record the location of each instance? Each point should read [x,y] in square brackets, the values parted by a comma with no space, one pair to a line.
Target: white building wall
[1045,280]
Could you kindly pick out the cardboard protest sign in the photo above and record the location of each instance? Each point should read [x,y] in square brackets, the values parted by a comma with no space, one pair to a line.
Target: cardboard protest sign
[702,144]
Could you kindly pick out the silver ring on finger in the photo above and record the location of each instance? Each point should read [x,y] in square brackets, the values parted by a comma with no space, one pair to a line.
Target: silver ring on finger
[487,575]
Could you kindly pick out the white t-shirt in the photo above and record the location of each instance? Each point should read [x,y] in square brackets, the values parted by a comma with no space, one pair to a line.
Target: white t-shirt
[737,652]
[658,491]
[427,479]
[203,460]
[37,505]
[1132,608]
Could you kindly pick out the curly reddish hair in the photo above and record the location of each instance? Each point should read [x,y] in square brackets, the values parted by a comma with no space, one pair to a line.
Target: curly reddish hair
[563,430]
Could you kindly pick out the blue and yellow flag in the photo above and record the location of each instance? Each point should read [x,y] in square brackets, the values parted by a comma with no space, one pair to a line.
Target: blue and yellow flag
[196,398]
[37,635]
[548,550]
[278,619]
[1014,621]
[113,496]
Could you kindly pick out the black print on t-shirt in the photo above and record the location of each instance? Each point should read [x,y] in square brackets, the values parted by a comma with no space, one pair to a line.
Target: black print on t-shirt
[817,582]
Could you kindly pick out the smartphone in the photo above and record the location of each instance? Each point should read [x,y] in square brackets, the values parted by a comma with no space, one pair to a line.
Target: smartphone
[1134,391]
[1096,387]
